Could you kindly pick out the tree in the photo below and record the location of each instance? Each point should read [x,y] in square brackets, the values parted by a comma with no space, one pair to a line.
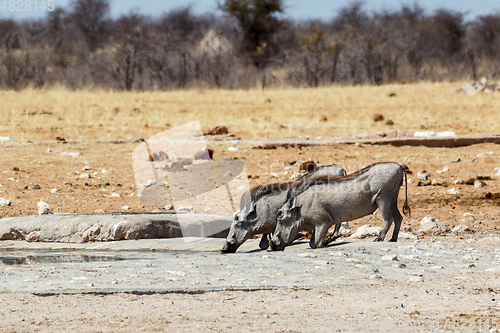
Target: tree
[90,18]
[258,21]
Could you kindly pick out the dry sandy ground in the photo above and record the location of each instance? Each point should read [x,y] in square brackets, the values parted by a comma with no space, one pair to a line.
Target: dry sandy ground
[434,306]
[22,166]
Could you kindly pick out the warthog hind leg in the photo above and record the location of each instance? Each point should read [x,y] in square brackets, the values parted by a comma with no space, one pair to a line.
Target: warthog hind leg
[397,221]
[384,204]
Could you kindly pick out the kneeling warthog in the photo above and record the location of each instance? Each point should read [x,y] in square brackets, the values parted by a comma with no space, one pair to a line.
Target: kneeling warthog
[323,202]
[258,209]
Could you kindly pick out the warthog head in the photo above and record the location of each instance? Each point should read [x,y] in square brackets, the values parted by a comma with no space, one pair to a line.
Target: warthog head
[241,228]
[287,226]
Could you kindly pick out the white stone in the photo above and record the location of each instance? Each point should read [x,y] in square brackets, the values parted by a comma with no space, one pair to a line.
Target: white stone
[422,176]
[416,278]
[43,208]
[478,183]
[4,202]
[425,134]
[126,208]
[233,149]
[407,236]
[275,175]
[115,195]
[345,229]
[185,209]
[453,191]
[54,191]
[366,231]
[460,229]
[390,257]
[104,171]
[445,134]
[306,255]
[6,139]
[446,169]
[296,175]
[427,219]
[87,168]
[498,173]
[433,228]
[72,153]
[85,176]
[99,211]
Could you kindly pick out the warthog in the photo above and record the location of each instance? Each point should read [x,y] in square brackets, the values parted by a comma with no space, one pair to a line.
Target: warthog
[258,209]
[325,201]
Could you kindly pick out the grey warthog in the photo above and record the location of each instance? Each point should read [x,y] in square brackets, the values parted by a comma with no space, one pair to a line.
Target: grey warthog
[259,206]
[323,202]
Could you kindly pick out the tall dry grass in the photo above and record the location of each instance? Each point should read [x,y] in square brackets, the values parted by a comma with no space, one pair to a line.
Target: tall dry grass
[337,110]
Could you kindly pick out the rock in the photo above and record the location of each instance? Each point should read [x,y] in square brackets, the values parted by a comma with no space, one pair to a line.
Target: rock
[389,122]
[306,255]
[416,278]
[33,236]
[36,187]
[453,191]
[43,208]
[460,229]
[432,227]
[445,169]
[228,174]
[217,130]
[126,208]
[114,195]
[366,231]
[345,229]
[233,149]
[205,154]
[85,176]
[4,202]
[99,211]
[478,183]
[378,117]
[54,191]
[427,219]
[422,176]
[296,175]
[185,209]
[275,175]
[307,166]
[72,154]
[169,207]
[390,257]
[104,171]
[91,233]
[407,236]
[6,139]
[86,168]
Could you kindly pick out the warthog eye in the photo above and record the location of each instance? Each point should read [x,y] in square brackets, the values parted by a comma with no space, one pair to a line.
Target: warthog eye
[280,213]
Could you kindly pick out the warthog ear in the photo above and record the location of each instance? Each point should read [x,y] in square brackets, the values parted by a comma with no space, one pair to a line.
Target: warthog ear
[249,207]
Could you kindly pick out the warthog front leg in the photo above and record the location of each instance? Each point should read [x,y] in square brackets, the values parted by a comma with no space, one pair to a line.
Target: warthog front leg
[319,236]
[264,242]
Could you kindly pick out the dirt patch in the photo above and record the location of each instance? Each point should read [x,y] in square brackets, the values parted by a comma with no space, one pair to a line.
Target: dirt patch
[447,197]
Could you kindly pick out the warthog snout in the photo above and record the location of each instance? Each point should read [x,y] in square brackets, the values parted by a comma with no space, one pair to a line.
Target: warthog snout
[276,244]
[229,247]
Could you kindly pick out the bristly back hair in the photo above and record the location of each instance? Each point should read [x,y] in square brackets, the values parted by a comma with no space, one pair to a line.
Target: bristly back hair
[301,185]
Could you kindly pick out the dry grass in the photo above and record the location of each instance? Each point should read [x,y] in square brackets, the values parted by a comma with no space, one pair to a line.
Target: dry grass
[47,114]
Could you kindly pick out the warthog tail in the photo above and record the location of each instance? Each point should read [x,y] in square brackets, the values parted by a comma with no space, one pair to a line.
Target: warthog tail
[406,208]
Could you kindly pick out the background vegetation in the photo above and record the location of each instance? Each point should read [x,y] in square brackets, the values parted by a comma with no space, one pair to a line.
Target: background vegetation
[252,44]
